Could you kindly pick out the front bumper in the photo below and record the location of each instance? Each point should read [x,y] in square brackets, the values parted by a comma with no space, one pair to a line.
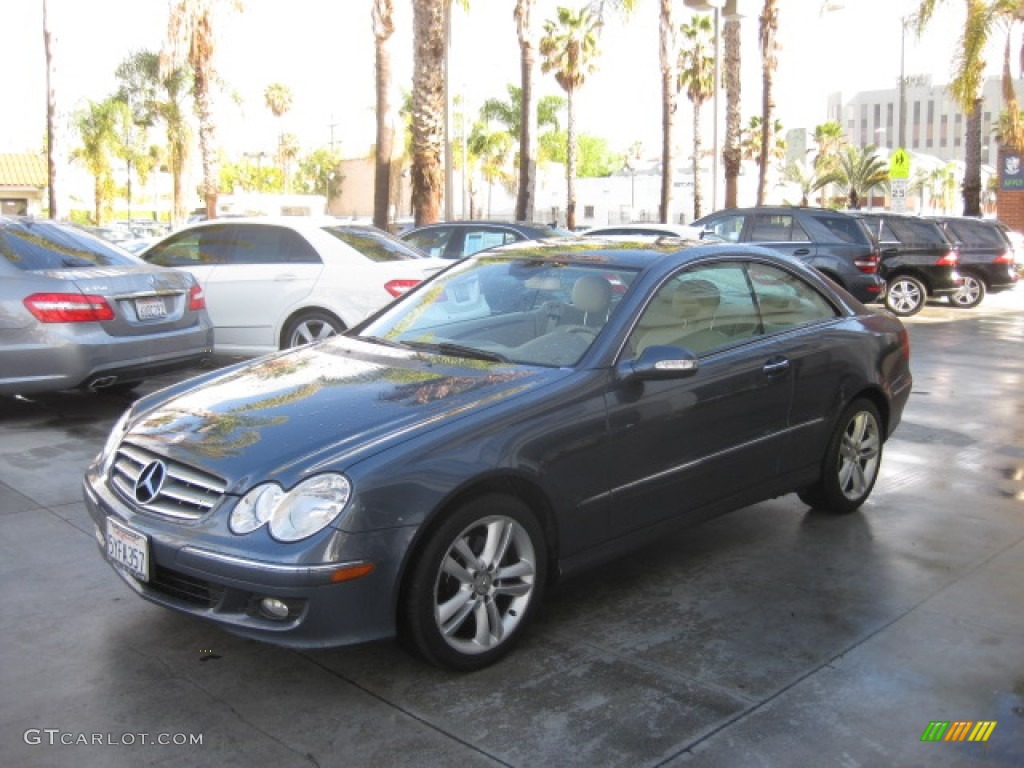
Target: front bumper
[190,574]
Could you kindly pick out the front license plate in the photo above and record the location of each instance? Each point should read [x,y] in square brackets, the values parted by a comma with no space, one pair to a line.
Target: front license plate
[128,548]
[150,309]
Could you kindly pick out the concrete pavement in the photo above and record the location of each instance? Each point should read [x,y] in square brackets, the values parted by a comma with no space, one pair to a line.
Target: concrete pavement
[775,636]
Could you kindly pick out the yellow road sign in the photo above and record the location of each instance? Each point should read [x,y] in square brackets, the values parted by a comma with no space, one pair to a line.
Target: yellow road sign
[899,164]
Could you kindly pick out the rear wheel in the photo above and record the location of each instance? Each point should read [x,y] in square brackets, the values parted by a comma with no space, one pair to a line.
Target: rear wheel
[906,296]
[970,294]
[851,463]
[310,326]
[475,584]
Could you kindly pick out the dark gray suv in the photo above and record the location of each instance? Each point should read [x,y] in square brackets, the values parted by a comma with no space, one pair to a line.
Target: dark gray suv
[835,243]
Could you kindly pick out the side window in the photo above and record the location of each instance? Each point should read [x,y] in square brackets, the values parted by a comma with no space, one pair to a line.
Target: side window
[786,301]
[261,244]
[432,242]
[729,228]
[701,309]
[848,229]
[481,239]
[885,233]
[193,248]
[777,228]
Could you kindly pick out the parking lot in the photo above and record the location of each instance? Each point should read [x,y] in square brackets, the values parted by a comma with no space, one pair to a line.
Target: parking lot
[774,636]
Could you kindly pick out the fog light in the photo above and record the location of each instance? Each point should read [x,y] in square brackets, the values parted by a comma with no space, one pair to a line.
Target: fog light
[273,608]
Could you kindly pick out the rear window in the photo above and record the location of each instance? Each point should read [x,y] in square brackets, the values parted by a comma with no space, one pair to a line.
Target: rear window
[35,245]
[845,228]
[974,234]
[374,244]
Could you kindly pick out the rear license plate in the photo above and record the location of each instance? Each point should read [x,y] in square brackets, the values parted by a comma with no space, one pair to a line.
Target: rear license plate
[149,309]
[128,548]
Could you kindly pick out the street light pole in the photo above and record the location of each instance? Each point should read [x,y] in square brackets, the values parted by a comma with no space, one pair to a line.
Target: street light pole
[903,84]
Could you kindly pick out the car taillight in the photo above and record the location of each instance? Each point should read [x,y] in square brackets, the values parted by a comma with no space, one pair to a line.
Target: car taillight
[196,298]
[868,264]
[905,344]
[398,287]
[949,260]
[1006,257]
[68,308]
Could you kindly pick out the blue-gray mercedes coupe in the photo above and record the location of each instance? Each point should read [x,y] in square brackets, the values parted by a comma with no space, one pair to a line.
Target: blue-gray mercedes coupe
[531,411]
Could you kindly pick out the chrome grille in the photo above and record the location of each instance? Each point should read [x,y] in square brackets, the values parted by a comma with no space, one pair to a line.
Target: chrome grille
[186,493]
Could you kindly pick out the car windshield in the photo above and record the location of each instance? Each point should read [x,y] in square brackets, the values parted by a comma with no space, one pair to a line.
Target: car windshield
[524,311]
[37,245]
[374,244]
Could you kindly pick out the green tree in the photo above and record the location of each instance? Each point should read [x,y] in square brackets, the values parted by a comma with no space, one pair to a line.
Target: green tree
[767,34]
[594,157]
[697,78]
[753,135]
[160,98]
[488,155]
[858,171]
[807,177]
[191,37]
[320,174]
[569,48]
[99,125]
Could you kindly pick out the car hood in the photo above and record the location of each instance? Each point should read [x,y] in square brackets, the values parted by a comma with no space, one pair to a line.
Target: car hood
[320,407]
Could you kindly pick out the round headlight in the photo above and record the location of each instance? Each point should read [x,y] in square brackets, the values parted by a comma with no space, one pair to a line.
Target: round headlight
[255,508]
[309,507]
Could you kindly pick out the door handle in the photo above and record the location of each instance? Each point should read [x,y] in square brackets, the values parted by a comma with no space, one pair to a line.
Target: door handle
[286,276]
[776,366]
[801,251]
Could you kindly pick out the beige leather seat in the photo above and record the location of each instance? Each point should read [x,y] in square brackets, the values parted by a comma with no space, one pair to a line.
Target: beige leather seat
[679,314]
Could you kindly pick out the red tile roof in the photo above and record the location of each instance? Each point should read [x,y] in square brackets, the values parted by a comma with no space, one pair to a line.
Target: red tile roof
[22,171]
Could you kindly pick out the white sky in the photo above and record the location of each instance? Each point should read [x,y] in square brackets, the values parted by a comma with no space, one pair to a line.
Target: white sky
[322,50]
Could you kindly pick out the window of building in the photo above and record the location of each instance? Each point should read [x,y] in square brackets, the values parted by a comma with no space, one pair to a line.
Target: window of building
[943,130]
[929,128]
[915,140]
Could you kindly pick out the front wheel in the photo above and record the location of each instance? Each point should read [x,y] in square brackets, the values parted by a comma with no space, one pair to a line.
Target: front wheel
[852,459]
[308,327]
[906,296]
[970,294]
[475,584]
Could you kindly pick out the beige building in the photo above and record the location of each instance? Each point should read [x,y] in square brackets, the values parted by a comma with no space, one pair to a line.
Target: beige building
[22,184]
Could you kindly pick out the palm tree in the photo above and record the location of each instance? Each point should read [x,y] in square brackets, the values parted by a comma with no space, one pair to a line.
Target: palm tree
[382,16]
[858,171]
[428,107]
[278,98]
[752,136]
[489,154]
[732,153]
[508,113]
[769,27]
[191,36]
[806,177]
[98,125]
[697,76]
[569,48]
[51,117]
[668,59]
[528,121]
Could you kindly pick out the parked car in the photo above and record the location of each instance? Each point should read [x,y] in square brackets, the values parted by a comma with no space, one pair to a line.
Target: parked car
[986,258]
[835,243]
[77,311]
[459,239]
[918,261]
[648,229]
[277,282]
[430,471]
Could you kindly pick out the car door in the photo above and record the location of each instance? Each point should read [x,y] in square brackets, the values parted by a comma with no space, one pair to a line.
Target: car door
[266,270]
[677,445]
[780,232]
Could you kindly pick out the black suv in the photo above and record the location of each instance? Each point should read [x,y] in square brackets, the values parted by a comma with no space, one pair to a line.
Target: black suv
[986,258]
[833,242]
[918,260]
[458,239]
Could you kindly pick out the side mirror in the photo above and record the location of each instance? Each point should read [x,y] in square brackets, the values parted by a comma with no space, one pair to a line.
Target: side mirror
[659,363]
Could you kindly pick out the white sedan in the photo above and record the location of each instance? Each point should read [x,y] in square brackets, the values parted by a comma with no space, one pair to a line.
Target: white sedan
[278,282]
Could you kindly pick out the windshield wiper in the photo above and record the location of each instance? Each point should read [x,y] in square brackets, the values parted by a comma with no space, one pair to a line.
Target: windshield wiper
[382,342]
[457,350]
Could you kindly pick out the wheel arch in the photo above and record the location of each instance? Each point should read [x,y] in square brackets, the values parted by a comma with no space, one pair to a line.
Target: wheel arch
[298,312]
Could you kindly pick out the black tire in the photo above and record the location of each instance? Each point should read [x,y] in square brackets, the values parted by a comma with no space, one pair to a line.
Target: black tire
[475,584]
[309,326]
[970,294]
[905,296]
[851,463]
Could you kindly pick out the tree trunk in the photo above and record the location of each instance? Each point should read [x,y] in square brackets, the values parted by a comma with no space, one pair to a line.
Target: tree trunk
[972,162]
[732,154]
[570,164]
[525,198]
[207,141]
[696,161]
[669,58]
[383,28]
[769,26]
[51,117]
[428,109]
